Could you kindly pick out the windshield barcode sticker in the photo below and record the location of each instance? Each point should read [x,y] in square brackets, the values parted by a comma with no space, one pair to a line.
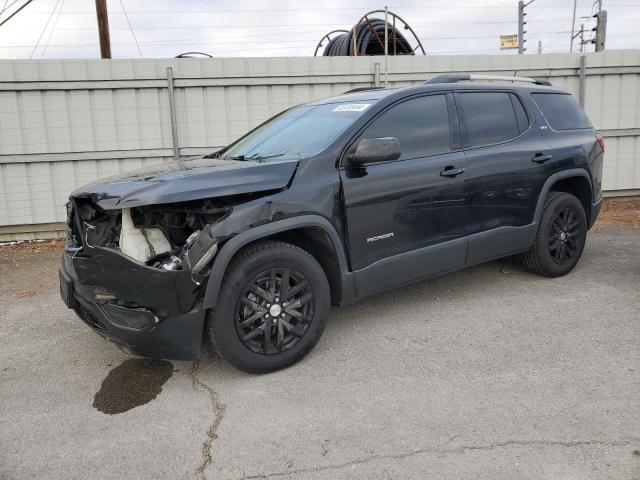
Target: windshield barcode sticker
[351,107]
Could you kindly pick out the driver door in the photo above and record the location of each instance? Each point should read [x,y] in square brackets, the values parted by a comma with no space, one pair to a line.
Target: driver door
[407,218]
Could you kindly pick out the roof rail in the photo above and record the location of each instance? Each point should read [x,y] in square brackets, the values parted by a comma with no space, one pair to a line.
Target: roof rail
[363,89]
[466,77]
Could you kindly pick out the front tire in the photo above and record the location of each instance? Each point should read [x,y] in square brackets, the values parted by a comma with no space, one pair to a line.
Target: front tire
[273,307]
[561,236]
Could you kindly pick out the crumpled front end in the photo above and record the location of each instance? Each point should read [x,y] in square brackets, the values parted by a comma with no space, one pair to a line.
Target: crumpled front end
[140,246]
[137,276]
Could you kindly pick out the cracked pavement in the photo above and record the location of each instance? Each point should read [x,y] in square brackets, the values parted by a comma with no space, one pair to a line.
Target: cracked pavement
[486,373]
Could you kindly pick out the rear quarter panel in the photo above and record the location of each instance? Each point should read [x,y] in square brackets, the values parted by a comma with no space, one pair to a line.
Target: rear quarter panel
[578,149]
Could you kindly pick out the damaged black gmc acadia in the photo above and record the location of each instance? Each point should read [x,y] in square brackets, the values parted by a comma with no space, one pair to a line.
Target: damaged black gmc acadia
[327,203]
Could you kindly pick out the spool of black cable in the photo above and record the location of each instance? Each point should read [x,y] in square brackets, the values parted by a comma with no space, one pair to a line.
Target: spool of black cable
[369,41]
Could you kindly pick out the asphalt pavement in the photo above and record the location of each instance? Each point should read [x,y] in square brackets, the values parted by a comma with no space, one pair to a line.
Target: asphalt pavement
[491,373]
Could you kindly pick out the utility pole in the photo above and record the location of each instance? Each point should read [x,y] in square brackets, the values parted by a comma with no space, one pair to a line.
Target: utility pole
[601,30]
[539,47]
[580,34]
[103,28]
[573,25]
[521,24]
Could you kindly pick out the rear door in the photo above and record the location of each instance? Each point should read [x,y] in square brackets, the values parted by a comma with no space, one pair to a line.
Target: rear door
[413,203]
[509,162]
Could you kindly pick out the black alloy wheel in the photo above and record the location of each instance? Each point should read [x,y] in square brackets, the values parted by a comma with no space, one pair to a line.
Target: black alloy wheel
[560,236]
[272,307]
[563,236]
[274,311]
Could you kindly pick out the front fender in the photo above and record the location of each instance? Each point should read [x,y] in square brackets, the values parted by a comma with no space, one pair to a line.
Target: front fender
[233,245]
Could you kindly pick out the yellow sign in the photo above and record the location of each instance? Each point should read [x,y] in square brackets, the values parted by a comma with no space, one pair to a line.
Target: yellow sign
[508,42]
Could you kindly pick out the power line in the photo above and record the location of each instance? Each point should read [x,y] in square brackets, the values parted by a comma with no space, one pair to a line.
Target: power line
[543,11]
[15,13]
[293,43]
[221,42]
[545,16]
[132,32]
[52,29]
[227,26]
[278,10]
[229,36]
[7,7]
[44,29]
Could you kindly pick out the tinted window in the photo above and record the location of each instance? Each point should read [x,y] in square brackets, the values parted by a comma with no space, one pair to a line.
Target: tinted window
[490,117]
[562,111]
[421,125]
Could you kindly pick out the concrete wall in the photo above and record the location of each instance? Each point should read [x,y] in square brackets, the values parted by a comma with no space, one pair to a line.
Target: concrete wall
[64,123]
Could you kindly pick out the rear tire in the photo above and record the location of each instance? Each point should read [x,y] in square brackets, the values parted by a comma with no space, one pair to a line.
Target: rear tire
[273,307]
[561,236]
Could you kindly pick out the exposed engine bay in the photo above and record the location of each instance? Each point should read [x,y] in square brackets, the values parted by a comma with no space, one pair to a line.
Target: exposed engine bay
[146,262]
[169,237]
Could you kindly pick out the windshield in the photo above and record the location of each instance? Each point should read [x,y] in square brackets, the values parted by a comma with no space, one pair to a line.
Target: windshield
[297,133]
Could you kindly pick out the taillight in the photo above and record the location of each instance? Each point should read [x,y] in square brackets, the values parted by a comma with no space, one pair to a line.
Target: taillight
[600,140]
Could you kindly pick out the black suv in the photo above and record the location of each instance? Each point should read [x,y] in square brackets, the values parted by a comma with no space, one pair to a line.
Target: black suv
[327,203]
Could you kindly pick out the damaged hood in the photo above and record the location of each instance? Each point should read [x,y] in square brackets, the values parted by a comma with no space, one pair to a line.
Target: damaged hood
[187,180]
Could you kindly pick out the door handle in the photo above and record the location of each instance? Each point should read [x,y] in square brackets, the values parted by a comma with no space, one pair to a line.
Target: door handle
[452,172]
[540,158]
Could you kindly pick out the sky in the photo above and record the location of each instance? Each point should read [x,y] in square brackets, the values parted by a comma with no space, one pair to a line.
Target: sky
[251,28]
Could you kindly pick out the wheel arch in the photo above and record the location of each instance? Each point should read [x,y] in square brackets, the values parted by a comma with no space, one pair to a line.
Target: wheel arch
[313,233]
[576,181]
[578,187]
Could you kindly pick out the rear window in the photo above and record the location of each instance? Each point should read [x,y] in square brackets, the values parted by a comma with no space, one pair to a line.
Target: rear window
[490,117]
[562,111]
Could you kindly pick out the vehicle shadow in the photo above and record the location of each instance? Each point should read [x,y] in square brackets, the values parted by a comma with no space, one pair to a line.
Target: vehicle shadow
[346,322]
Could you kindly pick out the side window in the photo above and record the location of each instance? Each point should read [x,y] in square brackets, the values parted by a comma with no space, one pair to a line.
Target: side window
[421,125]
[490,117]
[562,111]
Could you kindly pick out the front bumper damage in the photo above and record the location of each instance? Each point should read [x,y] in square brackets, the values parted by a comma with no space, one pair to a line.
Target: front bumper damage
[155,313]
[152,309]
[140,247]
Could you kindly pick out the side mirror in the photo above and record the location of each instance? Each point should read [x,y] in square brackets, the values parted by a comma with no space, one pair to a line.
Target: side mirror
[375,150]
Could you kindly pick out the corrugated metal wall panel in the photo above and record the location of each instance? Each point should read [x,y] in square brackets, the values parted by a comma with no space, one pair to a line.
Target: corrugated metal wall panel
[65,123]
[624,172]
[37,192]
